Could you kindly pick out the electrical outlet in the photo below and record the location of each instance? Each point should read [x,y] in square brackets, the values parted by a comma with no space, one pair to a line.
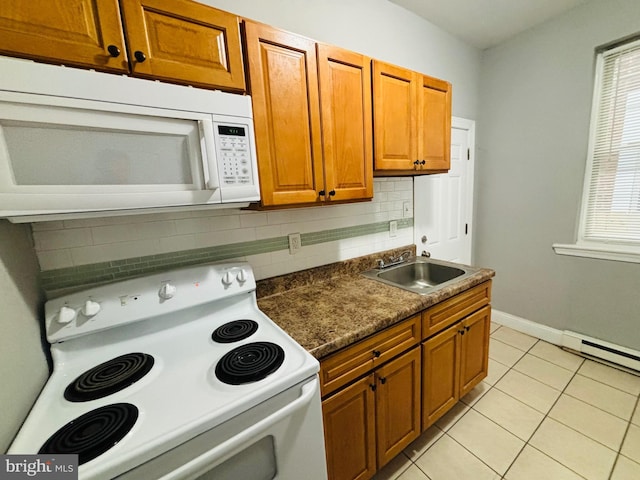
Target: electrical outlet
[406,209]
[295,243]
[393,228]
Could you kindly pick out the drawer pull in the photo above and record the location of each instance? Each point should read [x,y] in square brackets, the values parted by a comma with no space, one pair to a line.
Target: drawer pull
[376,353]
[383,380]
[372,387]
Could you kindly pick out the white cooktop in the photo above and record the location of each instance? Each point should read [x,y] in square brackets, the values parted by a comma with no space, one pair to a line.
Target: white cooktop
[181,396]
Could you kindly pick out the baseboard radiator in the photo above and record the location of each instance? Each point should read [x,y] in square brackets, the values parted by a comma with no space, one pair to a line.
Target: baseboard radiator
[600,349]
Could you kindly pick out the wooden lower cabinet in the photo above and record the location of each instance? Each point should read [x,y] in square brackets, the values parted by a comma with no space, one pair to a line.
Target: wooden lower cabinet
[380,393]
[397,405]
[369,422]
[474,358]
[349,431]
[453,363]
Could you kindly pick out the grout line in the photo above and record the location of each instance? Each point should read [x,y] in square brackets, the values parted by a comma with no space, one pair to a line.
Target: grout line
[624,437]
[541,422]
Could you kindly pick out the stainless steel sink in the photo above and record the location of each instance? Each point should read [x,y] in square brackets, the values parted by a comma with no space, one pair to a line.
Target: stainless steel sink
[418,275]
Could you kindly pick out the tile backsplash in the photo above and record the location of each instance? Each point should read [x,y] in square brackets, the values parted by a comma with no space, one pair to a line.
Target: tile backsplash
[78,253]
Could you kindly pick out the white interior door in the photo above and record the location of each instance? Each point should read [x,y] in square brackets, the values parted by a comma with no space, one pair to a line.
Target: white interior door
[443,203]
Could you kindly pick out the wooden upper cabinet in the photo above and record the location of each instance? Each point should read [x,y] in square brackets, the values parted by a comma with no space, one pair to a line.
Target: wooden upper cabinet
[75,32]
[312,117]
[286,114]
[412,121]
[179,41]
[345,100]
[184,41]
[395,117]
[435,123]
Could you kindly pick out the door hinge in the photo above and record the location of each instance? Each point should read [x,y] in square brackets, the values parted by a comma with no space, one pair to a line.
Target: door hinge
[468,154]
[466,229]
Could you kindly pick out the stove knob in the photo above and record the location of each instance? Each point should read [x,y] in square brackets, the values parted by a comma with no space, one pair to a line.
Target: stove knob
[90,308]
[242,276]
[167,291]
[66,315]
[227,279]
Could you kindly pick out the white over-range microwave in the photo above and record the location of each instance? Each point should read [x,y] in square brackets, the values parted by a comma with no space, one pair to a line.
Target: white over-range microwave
[84,143]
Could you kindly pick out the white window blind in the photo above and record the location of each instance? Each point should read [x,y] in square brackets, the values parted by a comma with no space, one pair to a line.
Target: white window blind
[611,209]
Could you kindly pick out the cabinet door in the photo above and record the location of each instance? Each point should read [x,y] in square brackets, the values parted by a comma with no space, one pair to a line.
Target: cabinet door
[184,41]
[474,359]
[345,93]
[395,117]
[286,113]
[73,32]
[440,374]
[434,131]
[397,405]
[349,431]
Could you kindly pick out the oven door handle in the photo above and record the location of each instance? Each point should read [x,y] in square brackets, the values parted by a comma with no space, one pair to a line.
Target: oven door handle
[244,437]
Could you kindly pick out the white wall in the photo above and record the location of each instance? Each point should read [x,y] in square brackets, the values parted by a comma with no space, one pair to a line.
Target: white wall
[379,29]
[23,368]
[533,127]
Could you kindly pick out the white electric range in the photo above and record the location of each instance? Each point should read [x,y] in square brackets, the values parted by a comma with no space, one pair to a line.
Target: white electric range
[177,375]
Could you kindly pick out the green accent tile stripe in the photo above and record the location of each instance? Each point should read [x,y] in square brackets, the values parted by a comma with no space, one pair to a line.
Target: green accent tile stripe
[104,272]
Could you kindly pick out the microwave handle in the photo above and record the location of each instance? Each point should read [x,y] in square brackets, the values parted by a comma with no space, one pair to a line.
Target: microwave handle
[211,180]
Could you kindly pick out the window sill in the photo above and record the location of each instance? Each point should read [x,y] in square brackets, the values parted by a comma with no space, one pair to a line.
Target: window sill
[617,253]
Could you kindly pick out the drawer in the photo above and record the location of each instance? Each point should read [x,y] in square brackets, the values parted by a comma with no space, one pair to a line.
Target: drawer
[450,311]
[356,360]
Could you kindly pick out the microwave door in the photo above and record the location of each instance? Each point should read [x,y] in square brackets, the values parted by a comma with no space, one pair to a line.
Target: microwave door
[80,159]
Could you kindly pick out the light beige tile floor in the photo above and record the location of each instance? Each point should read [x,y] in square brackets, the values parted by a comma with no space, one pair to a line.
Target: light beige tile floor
[541,414]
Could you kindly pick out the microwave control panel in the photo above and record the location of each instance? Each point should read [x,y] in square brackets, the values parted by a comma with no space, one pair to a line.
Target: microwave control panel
[234,154]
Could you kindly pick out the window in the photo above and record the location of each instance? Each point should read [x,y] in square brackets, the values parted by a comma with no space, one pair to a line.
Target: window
[610,217]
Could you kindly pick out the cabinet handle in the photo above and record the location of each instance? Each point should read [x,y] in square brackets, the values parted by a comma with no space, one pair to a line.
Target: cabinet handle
[321,193]
[140,56]
[332,193]
[113,50]
[372,387]
[376,353]
[461,332]
[416,163]
[383,380]
[423,162]
[467,328]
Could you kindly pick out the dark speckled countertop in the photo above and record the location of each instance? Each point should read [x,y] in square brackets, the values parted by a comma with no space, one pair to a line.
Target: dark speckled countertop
[330,307]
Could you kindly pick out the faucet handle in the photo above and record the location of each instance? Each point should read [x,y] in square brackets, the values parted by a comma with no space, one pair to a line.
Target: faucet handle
[380,263]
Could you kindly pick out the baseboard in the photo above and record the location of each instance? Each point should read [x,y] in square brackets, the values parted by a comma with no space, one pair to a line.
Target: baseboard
[593,348]
[543,332]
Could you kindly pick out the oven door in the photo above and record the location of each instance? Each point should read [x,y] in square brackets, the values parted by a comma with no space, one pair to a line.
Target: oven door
[277,439]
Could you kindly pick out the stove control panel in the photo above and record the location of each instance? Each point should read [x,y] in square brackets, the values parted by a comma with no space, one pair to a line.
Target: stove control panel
[138,299]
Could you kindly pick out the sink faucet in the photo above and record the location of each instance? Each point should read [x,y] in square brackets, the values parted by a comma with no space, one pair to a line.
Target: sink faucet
[403,257]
